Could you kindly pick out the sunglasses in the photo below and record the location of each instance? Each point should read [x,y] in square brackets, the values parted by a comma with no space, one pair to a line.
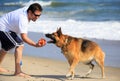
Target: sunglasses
[36,15]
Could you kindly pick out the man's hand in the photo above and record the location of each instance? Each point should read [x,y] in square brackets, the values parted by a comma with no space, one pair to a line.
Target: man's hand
[41,42]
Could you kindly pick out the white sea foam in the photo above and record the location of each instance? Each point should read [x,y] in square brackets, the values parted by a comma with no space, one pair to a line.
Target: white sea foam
[109,30]
[43,3]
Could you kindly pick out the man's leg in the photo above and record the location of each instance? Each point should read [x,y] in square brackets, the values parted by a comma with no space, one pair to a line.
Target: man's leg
[18,58]
[2,55]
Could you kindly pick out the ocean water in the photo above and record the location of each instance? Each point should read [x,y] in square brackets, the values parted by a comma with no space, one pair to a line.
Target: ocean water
[99,19]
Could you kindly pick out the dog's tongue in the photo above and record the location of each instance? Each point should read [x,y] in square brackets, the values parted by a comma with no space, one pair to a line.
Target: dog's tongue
[50,41]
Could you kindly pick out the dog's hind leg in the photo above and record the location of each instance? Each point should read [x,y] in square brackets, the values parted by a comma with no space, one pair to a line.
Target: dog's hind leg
[101,64]
[91,68]
[100,61]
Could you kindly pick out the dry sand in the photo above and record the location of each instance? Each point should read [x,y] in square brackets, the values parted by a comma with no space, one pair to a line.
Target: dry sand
[43,69]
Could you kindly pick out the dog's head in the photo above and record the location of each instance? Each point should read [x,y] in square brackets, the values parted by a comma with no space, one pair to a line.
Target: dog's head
[56,38]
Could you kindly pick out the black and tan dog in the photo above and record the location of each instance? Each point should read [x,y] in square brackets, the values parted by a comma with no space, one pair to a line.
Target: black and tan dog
[78,50]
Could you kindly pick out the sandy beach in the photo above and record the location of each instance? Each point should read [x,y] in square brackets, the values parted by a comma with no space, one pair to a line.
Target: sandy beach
[44,69]
[48,64]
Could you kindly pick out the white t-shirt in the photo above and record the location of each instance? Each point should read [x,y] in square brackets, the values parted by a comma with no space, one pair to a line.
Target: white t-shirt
[16,21]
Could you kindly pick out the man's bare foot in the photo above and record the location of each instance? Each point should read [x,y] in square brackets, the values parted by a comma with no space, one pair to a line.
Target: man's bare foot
[3,70]
[22,75]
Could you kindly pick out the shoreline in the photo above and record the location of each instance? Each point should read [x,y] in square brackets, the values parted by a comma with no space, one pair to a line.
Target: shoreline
[44,69]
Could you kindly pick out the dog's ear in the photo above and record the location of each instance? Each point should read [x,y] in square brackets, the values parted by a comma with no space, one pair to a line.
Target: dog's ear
[59,32]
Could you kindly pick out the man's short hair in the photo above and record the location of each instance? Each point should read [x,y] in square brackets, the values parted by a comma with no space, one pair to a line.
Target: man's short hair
[35,6]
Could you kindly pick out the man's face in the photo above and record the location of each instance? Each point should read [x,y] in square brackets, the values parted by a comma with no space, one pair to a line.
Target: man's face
[35,15]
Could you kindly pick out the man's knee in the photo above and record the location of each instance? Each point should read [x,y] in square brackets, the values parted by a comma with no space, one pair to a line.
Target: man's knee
[19,48]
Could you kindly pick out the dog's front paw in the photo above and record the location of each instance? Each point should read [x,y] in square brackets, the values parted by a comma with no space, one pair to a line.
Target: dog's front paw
[70,76]
[103,77]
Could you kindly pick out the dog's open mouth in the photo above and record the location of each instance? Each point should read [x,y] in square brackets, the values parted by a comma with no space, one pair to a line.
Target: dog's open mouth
[52,39]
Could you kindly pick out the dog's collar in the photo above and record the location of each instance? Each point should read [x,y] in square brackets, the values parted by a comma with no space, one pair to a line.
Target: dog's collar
[68,40]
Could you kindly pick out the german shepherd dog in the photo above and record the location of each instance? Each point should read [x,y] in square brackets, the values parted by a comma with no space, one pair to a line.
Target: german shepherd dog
[78,50]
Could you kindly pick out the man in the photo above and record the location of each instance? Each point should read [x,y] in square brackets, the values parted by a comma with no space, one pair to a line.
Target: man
[12,24]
